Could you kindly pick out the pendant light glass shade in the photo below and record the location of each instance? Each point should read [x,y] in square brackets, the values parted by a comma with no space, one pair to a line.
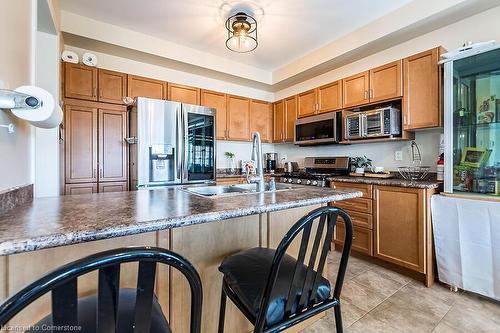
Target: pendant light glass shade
[241,33]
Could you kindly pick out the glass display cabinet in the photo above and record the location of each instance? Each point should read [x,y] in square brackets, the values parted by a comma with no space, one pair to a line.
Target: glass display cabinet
[472,122]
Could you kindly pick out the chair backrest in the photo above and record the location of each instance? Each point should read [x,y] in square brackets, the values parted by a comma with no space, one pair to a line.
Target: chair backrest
[62,282]
[307,286]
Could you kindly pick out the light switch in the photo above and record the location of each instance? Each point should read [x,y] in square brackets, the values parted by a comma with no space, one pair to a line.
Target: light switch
[398,155]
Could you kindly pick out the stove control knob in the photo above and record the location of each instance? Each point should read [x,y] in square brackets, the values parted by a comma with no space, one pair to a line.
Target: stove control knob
[290,180]
[283,179]
[315,182]
[299,181]
[308,182]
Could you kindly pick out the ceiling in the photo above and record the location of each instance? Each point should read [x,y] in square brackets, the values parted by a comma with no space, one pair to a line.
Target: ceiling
[289,29]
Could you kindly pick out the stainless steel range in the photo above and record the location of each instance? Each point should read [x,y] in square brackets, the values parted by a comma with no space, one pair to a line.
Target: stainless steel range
[317,170]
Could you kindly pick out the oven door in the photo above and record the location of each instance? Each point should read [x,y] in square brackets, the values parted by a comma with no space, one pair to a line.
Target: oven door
[374,123]
[315,130]
[354,126]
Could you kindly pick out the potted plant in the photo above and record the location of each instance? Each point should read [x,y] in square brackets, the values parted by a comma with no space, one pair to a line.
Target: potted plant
[230,157]
[360,163]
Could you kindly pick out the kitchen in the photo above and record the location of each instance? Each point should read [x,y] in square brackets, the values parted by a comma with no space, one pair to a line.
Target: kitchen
[341,124]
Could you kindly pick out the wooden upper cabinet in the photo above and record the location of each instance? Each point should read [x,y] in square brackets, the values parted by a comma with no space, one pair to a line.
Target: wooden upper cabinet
[330,97]
[80,82]
[355,89]
[400,226]
[217,101]
[279,121]
[290,117]
[422,100]
[112,86]
[261,119]
[113,159]
[143,87]
[386,82]
[306,102]
[238,109]
[183,94]
[80,143]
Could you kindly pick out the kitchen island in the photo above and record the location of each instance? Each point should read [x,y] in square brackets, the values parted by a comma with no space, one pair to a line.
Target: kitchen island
[44,234]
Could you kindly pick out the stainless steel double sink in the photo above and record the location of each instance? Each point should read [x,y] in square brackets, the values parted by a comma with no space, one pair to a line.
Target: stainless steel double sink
[237,189]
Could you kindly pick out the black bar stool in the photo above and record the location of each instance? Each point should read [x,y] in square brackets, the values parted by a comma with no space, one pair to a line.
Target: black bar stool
[112,309]
[276,291]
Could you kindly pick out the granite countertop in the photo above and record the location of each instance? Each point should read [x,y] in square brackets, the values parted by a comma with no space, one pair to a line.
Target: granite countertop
[240,175]
[58,221]
[424,184]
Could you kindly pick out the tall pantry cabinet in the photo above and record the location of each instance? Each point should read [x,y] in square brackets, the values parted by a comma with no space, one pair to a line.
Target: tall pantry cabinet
[95,126]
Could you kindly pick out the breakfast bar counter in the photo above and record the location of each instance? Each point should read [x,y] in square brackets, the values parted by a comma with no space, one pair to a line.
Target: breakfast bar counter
[49,232]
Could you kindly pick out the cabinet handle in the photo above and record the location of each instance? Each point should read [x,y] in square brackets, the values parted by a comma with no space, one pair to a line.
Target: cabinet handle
[100,173]
[353,237]
[100,92]
[94,93]
[366,94]
[93,173]
[371,93]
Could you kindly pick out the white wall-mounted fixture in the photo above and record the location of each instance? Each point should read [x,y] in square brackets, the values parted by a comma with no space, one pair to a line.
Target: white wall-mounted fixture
[10,128]
[33,104]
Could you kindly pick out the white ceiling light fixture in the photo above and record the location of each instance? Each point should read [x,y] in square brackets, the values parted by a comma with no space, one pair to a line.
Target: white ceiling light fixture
[241,33]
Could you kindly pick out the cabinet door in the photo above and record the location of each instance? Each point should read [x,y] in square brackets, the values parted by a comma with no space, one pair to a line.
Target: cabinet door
[80,82]
[85,188]
[306,103]
[217,101]
[386,82]
[421,101]
[113,159]
[238,118]
[112,86]
[80,144]
[399,226]
[279,121]
[261,119]
[362,238]
[290,117]
[183,94]
[113,187]
[330,97]
[355,89]
[143,87]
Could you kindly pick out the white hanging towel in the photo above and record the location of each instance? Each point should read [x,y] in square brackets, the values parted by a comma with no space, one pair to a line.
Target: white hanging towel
[467,241]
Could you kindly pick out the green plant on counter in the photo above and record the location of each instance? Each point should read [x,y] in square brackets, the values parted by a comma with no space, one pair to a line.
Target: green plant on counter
[229,155]
[361,162]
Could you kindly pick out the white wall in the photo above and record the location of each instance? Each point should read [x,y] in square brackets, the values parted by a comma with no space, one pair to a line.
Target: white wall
[242,150]
[16,62]
[46,147]
[382,154]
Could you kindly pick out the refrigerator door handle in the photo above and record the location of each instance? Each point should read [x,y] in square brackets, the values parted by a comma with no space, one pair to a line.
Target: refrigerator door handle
[180,143]
[185,116]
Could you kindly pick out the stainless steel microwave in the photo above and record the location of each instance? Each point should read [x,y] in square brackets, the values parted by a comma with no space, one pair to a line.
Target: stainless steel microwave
[316,130]
[383,122]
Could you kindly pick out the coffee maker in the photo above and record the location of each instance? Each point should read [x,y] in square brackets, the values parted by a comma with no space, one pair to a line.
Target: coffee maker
[271,161]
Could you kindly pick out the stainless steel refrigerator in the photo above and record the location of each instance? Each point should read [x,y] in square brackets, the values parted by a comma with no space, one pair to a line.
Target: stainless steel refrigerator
[171,143]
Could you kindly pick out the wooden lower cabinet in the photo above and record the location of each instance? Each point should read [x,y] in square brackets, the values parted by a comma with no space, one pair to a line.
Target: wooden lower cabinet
[362,238]
[400,228]
[113,187]
[85,188]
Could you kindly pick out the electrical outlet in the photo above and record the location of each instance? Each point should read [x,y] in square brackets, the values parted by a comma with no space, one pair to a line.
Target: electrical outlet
[398,155]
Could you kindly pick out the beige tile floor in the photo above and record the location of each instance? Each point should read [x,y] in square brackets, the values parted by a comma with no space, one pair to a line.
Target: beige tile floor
[375,299]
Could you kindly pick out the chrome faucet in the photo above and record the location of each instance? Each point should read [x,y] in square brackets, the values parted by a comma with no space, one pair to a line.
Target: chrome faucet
[257,156]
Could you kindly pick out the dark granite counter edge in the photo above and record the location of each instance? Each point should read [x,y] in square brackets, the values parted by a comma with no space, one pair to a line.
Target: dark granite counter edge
[423,184]
[56,240]
[16,196]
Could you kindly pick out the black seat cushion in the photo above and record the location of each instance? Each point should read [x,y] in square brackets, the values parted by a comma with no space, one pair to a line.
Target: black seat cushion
[246,273]
[126,308]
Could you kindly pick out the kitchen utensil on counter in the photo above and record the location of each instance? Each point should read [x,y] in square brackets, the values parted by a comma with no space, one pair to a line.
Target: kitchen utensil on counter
[291,167]
[271,162]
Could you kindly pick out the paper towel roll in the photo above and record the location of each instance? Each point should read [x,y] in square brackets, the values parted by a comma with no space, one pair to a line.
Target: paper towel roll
[48,115]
